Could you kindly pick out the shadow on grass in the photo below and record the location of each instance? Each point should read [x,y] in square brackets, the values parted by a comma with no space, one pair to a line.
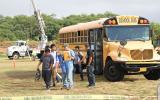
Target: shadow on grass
[101,78]
[20,74]
[31,75]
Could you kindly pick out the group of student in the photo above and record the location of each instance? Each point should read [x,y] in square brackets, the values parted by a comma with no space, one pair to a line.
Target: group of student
[68,60]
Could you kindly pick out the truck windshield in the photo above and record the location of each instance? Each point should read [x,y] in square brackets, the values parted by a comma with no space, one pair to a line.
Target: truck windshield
[135,33]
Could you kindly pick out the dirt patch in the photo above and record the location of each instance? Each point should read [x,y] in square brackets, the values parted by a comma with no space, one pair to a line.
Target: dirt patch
[19,81]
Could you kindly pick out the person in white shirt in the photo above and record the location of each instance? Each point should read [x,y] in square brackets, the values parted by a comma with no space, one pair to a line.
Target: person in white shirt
[56,62]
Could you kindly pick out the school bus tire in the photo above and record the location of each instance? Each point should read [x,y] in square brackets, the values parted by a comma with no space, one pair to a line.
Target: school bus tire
[152,75]
[112,71]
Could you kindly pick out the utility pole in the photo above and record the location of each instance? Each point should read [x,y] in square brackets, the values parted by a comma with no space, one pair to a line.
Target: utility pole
[43,38]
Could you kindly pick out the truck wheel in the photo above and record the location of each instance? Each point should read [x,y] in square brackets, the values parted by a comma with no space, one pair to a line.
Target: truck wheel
[9,57]
[15,56]
[152,75]
[112,72]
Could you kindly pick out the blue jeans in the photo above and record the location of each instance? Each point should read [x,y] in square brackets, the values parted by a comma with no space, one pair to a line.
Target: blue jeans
[64,74]
[91,75]
[68,77]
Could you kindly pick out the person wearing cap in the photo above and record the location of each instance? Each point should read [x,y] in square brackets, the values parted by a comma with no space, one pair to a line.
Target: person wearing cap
[90,66]
[78,61]
[56,62]
[69,56]
[47,62]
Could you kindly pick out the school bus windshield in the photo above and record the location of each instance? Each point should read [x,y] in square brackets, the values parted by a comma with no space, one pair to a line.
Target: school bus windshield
[135,33]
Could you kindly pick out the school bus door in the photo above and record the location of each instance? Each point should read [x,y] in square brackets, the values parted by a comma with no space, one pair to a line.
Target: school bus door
[95,41]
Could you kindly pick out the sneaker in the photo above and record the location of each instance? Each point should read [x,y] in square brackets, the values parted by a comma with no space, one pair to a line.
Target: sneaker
[68,88]
[64,87]
[54,85]
[91,86]
[48,88]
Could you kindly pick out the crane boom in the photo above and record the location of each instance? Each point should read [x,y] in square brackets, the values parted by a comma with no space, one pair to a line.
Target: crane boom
[41,24]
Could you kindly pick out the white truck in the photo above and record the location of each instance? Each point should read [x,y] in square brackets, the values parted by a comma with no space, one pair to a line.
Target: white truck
[19,49]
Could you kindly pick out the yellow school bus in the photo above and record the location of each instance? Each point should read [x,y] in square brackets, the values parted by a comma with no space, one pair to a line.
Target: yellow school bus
[122,45]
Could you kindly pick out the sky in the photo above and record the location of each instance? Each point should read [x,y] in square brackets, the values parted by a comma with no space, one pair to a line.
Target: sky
[146,8]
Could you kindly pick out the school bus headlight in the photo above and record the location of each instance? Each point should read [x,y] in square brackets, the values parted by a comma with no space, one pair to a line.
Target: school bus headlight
[122,59]
[156,57]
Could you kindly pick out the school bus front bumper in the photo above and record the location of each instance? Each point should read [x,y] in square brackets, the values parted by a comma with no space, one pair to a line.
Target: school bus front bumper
[141,67]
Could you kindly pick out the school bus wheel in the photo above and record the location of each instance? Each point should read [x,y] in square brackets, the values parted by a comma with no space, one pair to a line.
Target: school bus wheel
[152,75]
[112,71]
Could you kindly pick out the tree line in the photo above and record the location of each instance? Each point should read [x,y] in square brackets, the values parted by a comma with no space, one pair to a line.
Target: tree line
[26,27]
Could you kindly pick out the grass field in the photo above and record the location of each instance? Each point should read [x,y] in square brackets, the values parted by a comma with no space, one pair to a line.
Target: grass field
[19,81]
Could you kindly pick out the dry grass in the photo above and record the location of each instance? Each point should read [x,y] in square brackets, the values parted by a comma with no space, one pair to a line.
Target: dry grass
[20,82]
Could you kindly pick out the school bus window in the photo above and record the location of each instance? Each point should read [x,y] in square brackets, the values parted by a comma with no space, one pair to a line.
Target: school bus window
[64,35]
[70,34]
[92,37]
[67,35]
[79,33]
[85,33]
[85,39]
[70,40]
[76,34]
[79,39]
[62,41]
[75,40]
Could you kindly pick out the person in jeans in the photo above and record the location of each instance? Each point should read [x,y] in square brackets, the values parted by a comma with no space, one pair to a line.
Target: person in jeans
[63,69]
[47,62]
[79,58]
[90,66]
[68,55]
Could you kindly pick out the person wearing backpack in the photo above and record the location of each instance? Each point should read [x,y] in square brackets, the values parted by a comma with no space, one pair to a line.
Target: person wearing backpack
[78,61]
[69,56]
